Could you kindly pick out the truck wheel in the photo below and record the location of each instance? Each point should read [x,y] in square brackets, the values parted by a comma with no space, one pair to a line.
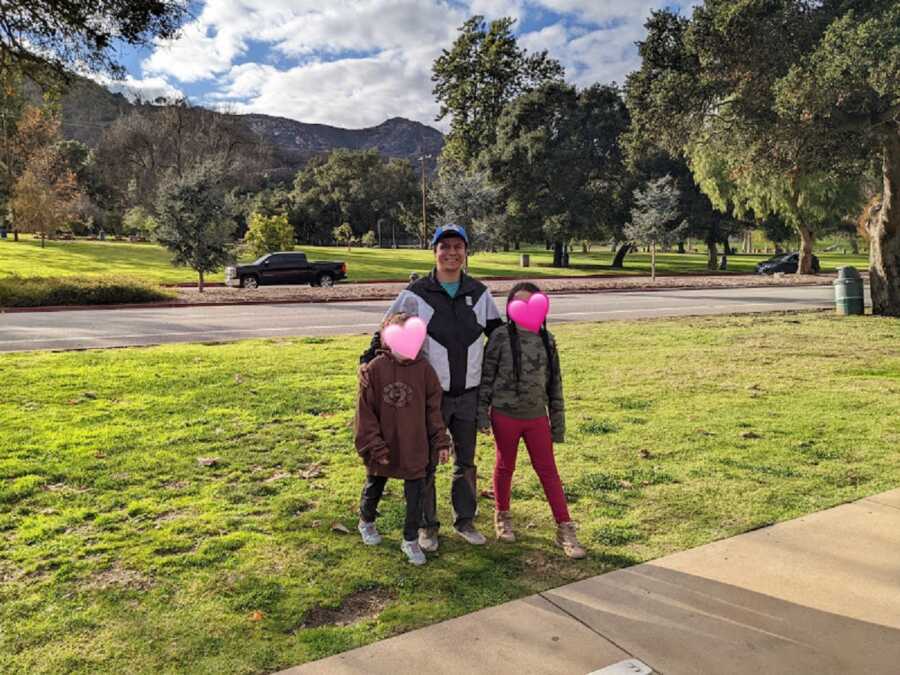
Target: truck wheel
[249,282]
[325,281]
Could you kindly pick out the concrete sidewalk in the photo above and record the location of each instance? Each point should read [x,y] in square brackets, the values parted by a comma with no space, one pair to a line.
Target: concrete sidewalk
[819,594]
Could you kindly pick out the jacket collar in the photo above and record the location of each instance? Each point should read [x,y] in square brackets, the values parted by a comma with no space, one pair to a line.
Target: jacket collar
[466,283]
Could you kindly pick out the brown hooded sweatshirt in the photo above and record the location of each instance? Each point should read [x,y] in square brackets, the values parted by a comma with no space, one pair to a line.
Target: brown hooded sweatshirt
[398,416]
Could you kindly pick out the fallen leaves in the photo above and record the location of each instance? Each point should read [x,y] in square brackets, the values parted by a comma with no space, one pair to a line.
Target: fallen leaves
[208,461]
[339,527]
[312,471]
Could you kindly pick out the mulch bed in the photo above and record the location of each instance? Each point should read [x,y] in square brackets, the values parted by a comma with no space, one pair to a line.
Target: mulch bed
[388,291]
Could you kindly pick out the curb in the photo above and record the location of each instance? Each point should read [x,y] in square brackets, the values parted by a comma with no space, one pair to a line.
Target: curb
[376,296]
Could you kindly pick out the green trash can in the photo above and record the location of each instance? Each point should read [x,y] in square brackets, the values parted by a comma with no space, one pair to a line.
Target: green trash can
[848,292]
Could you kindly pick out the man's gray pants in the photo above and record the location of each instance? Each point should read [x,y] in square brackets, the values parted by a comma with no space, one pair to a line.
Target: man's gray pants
[460,417]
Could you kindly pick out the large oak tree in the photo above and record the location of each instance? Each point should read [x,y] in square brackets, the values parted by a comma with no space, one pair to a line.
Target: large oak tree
[782,107]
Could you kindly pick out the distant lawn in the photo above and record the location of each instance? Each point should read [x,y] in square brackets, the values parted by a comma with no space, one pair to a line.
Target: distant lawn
[120,552]
[152,263]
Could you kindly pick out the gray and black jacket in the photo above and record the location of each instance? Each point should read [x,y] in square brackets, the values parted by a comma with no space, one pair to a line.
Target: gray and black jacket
[454,346]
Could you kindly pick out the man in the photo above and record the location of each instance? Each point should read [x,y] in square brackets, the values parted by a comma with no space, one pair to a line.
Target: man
[459,311]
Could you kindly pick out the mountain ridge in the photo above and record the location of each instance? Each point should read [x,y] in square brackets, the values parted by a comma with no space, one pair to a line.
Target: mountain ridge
[88,108]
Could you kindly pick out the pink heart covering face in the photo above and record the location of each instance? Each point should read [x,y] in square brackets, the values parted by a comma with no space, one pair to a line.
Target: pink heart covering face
[529,315]
[405,340]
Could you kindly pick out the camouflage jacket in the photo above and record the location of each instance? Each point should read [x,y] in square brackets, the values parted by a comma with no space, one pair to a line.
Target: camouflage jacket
[535,394]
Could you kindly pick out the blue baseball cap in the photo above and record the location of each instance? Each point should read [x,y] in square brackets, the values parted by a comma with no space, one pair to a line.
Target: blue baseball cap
[449,230]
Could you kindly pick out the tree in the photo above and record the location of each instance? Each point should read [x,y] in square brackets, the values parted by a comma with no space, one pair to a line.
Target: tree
[138,150]
[354,187]
[45,194]
[468,198]
[653,217]
[43,197]
[268,234]
[556,147]
[343,233]
[139,222]
[781,107]
[477,77]
[193,222]
[57,36]
[369,239]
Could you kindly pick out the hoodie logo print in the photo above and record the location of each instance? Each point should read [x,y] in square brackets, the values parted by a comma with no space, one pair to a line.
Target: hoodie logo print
[397,394]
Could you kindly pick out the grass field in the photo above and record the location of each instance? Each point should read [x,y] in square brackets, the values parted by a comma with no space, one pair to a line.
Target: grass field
[121,552]
[151,262]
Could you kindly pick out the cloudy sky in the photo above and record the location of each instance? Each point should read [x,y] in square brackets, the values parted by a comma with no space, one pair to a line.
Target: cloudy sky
[355,63]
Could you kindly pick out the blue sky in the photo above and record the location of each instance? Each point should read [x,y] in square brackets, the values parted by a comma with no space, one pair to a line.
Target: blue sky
[355,63]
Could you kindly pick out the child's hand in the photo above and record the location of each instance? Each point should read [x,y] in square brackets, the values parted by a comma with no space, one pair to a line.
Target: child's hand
[486,430]
[444,456]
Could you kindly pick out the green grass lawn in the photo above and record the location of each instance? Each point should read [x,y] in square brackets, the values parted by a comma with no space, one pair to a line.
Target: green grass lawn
[151,262]
[120,552]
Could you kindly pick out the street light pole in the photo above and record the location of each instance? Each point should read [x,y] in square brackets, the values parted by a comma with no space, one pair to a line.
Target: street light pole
[424,218]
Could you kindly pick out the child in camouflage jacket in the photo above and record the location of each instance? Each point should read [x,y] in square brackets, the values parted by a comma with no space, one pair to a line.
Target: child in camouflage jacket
[521,397]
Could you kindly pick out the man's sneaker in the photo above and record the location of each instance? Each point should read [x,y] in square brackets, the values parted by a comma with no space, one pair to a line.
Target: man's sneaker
[470,534]
[413,552]
[568,539]
[369,533]
[428,539]
[503,526]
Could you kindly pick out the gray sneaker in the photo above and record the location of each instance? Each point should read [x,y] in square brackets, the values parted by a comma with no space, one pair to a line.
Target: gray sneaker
[428,539]
[470,534]
[369,533]
[413,552]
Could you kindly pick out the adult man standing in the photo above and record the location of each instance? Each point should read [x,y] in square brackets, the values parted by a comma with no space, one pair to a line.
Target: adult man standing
[459,311]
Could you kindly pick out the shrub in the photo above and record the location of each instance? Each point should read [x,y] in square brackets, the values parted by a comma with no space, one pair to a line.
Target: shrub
[268,234]
[16,291]
[369,239]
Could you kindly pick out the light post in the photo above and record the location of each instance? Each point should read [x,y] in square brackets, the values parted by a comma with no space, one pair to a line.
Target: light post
[424,219]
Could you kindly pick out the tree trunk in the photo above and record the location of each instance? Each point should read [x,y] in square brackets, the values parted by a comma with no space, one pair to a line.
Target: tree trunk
[854,244]
[200,283]
[585,248]
[884,242]
[653,261]
[43,239]
[506,246]
[804,264]
[619,259]
[681,247]
[548,245]
[15,235]
[557,254]
[712,258]
[516,244]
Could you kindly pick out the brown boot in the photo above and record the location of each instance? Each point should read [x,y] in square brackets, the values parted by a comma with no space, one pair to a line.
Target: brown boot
[503,526]
[568,539]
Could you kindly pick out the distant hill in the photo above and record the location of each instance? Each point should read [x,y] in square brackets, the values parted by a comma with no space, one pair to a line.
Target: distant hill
[89,108]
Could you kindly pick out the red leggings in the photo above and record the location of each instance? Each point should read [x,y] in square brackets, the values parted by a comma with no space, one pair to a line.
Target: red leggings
[507,432]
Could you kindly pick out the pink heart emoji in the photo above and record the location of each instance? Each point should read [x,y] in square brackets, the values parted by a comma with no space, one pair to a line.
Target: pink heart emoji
[405,340]
[529,315]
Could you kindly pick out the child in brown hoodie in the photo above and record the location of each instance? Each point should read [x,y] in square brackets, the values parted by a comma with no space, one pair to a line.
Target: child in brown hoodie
[399,430]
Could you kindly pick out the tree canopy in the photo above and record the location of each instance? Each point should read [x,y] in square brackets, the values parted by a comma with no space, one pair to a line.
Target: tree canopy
[57,36]
[781,107]
[481,73]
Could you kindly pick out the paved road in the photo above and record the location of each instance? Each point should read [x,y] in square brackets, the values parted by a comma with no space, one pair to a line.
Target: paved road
[91,329]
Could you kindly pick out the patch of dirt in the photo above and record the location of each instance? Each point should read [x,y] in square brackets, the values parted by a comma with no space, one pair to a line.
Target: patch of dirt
[360,606]
[551,567]
[118,578]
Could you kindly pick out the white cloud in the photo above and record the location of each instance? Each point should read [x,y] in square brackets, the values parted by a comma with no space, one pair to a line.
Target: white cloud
[147,89]
[356,62]
[353,93]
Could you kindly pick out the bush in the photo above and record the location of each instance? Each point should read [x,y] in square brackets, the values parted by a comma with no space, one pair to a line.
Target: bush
[268,234]
[369,239]
[16,291]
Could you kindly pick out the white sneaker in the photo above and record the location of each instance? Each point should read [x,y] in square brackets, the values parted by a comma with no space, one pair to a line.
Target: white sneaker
[369,533]
[413,552]
[428,539]
[471,535]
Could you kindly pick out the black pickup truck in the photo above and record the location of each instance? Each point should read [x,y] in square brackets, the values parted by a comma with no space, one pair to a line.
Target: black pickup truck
[288,267]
